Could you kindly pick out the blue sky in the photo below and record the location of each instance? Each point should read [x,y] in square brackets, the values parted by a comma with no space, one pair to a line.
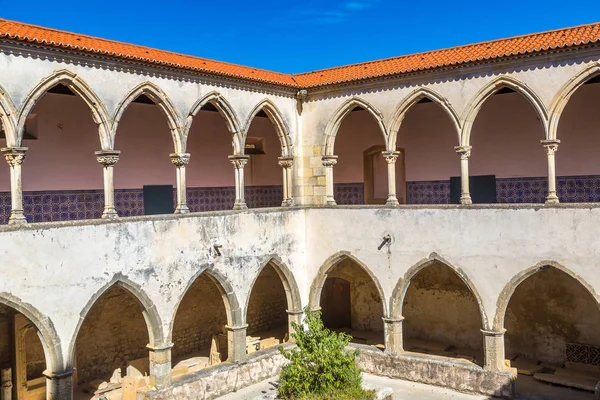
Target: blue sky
[299,36]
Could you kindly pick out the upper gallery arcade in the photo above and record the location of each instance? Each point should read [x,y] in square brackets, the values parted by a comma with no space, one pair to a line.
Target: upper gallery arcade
[95,128]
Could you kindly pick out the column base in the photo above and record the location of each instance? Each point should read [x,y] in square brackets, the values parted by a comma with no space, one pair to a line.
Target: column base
[392,202]
[182,209]
[552,198]
[110,213]
[17,217]
[331,203]
[240,205]
[466,199]
[287,203]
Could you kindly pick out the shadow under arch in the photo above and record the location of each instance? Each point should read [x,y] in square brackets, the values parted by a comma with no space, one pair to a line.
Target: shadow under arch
[163,102]
[226,111]
[561,99]
[318,282]
[150,313]
[513,284]
[46,331]
[8,113]
[232,306]
[292,293]
[77,86]
[411,100]
[277,120]
[508,82]
[338,117]
[399,293]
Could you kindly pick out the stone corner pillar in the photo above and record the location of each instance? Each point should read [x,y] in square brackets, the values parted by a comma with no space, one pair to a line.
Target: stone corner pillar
[493,350]
[160,365]
[296,317]
[239,161]
[328,163]
[108,159]
[551,147]
[393,335]
[180,160]
[390,159]
[286,163]
[236,343]
[465,153]
[6,384]
[14,157]
[59,385]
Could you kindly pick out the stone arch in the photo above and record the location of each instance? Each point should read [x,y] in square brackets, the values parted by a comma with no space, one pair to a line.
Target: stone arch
[487,91]
[406,105]
[225,109]
[232,306]
[163,102]
[328,265]
[286,276]
[277,120]
[511,286]
[77,86]
[46,331]
[399,293]
[564,95]
[150,313]
[8,114]
[338,117]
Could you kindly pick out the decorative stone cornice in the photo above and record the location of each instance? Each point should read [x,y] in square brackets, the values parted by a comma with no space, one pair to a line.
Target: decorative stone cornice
[108,158]
[239,161]
[180,159]
[464,151]
[551,145]
[14,155]
[329,161]
[286,162]
[390,156]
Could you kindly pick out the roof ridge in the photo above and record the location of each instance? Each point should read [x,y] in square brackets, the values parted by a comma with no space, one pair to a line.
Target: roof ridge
[462,46]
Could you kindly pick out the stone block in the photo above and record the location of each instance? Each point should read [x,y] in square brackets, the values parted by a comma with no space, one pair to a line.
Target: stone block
[129,388]
[321,180]
[320,171]
[319,190]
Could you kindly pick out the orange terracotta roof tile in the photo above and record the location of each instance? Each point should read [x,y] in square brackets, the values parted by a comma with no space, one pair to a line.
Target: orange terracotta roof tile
[526,44]
[520,45]
[56,38]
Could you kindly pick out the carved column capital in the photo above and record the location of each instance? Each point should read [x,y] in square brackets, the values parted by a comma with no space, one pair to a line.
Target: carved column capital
[551,146]
[14,155]
[464,151]
[390,156]
[239,161]
[286,162]
[108,158]
[329,161]
[180,159]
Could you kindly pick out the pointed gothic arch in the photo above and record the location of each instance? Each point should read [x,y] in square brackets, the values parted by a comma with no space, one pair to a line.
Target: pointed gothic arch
[412,99]
[78,86]
[8,114]
[154,93]
[472,110]
[561,99]
[338,117]
[276,118]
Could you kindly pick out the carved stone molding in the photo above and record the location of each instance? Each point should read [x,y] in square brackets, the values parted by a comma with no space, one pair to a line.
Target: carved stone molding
[180,159]
[286,162]
[551,146]
[239,161]
[329,161]
[390,156]
[14,155]
[464,151]
[107,158]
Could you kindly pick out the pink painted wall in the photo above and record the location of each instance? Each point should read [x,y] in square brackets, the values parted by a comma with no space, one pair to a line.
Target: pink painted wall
[63,156]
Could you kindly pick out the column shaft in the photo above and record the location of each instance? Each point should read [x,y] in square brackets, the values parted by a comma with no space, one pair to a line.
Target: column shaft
[286,163]
[59,386]
[294,316]
[465,153]
[239,161]
[6,384]
[390,159]
[393,335]
[15,157]
[236,343]
[108,159]
[551,147]
[328,163]
[493,350]
[160,365]
[180,160]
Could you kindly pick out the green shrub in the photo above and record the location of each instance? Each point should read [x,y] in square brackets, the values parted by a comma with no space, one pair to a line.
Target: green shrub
[320,367]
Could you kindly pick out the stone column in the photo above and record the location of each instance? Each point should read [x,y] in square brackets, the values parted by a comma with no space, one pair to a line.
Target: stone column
[160,365]
[239,162]
[59,385]
[236,343]
[551,147]
[465,153]
[390,159]
[296,317]
[108,159]
[180,160]
[15,157]
[493,343]
[393,335]
[6,384]
[287,163]
[328,163]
